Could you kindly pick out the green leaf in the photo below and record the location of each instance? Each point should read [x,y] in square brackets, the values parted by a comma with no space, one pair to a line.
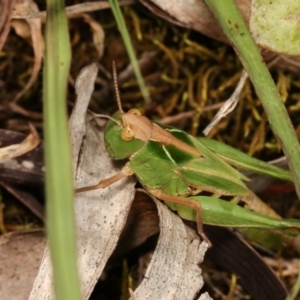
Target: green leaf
[275,25]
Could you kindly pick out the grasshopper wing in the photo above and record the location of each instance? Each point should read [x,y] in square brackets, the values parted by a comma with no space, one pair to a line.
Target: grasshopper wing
[241,160]
[208,172]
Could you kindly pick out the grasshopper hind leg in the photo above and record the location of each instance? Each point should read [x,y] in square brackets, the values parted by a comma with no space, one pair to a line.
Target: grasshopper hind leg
[187,202]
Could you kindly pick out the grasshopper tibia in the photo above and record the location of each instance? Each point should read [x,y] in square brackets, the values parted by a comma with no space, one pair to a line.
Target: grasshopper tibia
[187,202]
[126,171]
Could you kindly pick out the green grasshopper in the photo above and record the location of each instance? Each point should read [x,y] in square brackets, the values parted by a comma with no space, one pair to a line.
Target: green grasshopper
[176,168]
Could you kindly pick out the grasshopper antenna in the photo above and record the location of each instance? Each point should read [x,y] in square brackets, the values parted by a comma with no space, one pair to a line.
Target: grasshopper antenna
[104,116]
[116,86]
[117,96]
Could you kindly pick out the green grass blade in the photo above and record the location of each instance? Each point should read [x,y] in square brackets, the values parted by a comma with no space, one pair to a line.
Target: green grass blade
[59,181]
[243,161]
[236,30]
[129,47]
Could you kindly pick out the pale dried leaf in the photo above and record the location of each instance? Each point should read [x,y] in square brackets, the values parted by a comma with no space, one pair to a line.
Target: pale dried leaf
[174,271]
[27,169]
[84,87]
[192,14]
[229,104]
[22,29]
[98,34]
[6,8]
[101,214]
[31,141]
[34,30]
[205,296]
[20,256]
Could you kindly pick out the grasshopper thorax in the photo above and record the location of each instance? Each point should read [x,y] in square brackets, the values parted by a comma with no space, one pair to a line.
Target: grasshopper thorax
[138,126]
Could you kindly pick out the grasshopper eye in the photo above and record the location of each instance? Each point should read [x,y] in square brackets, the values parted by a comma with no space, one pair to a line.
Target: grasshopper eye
[127,134]
[134,111]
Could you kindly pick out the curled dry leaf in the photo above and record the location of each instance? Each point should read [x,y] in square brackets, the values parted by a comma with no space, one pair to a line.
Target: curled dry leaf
[25,170]
[98,34]
[174,271]
[29,29]
[6,8]
[23,176]
[84,87]
[196,15]
[15,150]
[142,223]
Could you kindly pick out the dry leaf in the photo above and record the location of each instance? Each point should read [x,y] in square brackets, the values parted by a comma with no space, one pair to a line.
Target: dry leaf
[174,271]
[24,174]
[6,8]
[27,199]
[84,87]
[29,28]
[15,150]
[25,170]
[142,223]
[196,15]
[98,34]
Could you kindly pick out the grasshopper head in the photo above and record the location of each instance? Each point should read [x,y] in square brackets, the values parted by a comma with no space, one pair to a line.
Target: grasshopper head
[126,133]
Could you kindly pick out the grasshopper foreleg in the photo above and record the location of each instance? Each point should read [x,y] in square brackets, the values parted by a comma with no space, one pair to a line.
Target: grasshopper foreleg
[187,202]
[126,171]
